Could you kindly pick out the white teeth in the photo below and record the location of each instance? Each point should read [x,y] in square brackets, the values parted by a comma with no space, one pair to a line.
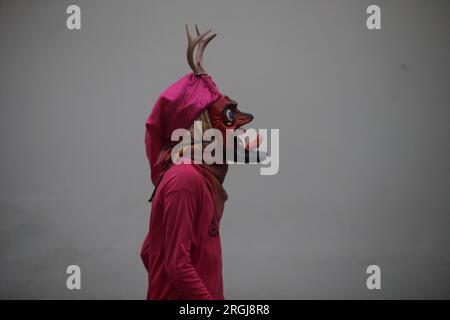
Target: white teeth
[241,140]
[253,140]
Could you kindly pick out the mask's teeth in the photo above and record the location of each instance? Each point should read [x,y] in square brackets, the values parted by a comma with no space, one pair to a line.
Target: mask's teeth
[250,145]
[254,144]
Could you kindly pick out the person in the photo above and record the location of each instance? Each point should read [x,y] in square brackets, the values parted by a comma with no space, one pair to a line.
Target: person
[182,251]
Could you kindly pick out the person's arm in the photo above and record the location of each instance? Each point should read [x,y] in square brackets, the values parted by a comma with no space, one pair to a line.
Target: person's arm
[179,212]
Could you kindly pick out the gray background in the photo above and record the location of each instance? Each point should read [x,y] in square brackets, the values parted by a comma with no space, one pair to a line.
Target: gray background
[364,127]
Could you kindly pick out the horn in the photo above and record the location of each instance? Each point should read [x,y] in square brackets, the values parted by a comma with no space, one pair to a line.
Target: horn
[201,41]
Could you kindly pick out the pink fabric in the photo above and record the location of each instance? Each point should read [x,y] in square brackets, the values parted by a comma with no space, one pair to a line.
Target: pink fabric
[177,107]
[182,252]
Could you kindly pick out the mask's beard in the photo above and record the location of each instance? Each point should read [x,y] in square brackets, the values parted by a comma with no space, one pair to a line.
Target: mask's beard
[193,147]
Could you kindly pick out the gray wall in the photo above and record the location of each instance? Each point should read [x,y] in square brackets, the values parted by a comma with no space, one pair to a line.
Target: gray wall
[364,127]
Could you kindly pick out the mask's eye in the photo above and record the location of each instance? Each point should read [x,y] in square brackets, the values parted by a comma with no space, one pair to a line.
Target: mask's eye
[229,116]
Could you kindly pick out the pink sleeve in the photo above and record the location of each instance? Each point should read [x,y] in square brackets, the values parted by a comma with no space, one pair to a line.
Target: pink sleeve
[179,211]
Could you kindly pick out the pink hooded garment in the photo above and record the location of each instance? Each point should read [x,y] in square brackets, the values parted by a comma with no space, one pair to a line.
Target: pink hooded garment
[182,251]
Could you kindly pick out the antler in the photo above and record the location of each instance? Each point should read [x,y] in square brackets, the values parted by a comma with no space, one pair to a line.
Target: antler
[202,42]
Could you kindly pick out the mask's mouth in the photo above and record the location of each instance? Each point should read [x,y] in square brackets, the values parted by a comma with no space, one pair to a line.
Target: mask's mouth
[248,143]
[246,148]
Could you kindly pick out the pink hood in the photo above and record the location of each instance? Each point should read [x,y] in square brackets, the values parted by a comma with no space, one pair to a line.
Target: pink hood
[177,107]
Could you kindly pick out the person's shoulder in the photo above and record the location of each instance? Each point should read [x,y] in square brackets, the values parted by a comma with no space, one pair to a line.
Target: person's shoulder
[183,176]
